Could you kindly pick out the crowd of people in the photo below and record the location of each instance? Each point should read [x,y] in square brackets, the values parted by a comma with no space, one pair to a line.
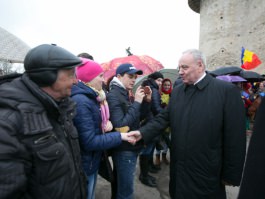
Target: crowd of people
[252,94]
[57,122]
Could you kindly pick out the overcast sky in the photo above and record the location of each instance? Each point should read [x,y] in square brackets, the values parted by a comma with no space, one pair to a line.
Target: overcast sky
[161,29]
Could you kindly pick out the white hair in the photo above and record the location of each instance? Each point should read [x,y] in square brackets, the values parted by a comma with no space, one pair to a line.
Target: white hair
[197,54]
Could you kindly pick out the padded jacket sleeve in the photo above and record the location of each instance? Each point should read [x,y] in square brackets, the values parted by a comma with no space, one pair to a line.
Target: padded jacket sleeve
[13,179]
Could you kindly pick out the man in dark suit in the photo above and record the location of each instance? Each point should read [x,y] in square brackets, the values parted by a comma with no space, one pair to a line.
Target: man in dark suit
[207,121]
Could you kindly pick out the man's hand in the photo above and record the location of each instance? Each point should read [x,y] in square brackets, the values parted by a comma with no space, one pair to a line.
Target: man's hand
[139,94]
[128,138]
[136,134]
[108,126]
[148,94]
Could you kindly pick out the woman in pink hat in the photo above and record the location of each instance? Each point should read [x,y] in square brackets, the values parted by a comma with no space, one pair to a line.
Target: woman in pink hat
[92,120]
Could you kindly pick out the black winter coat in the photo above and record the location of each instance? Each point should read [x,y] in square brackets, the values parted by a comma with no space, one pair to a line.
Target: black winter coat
[155,103]
[208,138]
[39,150]
[156,97]
[253,182]
[124,112]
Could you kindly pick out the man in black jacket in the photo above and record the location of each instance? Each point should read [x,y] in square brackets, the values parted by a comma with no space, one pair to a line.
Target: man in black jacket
[154,81]
[39,150]
[126,113]
[208,140]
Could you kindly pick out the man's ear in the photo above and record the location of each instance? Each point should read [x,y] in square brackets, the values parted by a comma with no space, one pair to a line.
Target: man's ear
[200,64]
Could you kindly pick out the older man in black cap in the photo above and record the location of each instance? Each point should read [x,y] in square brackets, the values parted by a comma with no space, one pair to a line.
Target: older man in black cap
[39,150]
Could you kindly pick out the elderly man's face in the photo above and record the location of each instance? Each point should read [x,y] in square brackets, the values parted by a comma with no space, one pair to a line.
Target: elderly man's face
[190,70]
[61,89]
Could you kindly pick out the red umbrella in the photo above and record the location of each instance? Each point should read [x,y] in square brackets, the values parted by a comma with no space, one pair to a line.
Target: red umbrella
[145,63]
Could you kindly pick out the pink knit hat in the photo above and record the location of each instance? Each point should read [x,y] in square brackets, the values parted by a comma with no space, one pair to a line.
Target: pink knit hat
[88,70]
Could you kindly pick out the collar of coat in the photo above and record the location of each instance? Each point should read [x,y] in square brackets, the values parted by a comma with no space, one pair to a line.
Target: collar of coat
[203,83]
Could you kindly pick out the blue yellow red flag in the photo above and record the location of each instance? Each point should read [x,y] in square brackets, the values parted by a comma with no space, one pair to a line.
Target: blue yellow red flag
[249,60]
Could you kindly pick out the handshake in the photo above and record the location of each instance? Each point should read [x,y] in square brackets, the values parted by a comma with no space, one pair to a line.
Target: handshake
[131,137]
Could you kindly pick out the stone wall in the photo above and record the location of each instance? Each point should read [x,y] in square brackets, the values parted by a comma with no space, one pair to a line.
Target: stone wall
[227,26]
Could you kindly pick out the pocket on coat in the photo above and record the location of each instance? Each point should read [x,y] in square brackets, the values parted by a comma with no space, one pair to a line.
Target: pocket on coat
[50,162]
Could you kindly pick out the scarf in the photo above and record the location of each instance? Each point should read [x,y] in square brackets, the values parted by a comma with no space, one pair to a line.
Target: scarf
[117,82]
[104,107]
[165,98]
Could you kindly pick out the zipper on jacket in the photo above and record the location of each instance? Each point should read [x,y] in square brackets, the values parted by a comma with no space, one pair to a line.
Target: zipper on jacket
[44,138]
[64,131]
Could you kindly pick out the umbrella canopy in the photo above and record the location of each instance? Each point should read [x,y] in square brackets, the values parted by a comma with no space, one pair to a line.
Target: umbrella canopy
[251,76]
[231,78]
[171,74]
[226,70]
[145,63]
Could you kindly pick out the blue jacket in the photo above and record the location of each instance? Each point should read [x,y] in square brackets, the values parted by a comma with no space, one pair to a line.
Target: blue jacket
[88,124]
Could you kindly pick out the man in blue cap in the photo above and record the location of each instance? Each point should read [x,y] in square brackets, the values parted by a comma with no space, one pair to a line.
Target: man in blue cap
[40,155]
[126,113]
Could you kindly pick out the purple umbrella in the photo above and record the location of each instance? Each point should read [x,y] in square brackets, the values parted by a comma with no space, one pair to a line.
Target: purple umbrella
[231,78]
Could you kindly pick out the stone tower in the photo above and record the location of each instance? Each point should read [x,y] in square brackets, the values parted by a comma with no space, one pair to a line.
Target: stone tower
[228,25]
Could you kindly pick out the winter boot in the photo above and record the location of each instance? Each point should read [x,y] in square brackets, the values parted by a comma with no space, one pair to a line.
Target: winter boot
[144,177]
[164,158]
[157,160]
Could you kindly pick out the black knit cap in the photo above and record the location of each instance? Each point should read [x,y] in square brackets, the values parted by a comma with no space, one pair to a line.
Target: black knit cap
[48,57]
[156,75]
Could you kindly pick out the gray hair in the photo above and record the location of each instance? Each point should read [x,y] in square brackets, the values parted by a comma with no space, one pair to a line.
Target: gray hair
[197,54]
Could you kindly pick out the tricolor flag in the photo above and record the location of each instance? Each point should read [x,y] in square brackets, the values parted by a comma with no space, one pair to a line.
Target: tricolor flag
[249,60]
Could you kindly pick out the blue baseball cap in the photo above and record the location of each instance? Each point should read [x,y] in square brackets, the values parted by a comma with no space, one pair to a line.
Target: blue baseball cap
[128,68]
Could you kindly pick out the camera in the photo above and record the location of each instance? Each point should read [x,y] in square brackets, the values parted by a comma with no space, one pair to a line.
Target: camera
[147,90]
